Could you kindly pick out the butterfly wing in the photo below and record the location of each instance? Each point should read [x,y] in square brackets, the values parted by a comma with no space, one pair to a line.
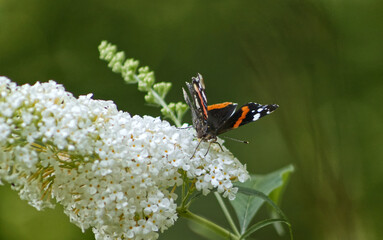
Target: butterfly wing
[199,106]
[193,109]
[249,112]
[218,114]
[199,94]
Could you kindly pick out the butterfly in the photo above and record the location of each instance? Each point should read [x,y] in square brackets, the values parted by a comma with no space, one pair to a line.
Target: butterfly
[213,120]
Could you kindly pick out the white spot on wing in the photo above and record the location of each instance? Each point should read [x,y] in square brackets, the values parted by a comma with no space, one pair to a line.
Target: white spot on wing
[260,109]
[256,117]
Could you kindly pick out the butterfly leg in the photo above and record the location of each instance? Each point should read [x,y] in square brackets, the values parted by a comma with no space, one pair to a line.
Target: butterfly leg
[196,149]
[213,141]
[219,146]
[208,149]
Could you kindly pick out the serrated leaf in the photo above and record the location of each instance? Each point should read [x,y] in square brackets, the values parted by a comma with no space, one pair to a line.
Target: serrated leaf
[246,206]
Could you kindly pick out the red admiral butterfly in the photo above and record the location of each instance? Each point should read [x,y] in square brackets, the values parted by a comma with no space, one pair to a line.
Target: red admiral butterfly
[213,120]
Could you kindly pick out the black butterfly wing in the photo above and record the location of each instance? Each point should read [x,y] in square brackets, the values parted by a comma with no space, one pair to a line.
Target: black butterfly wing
[249,112]
[218,114]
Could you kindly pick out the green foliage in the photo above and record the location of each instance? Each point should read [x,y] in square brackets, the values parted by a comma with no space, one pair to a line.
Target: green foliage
[262,224]
[316,59]
[132,73]
[253,193]
[204,231]
[250,197]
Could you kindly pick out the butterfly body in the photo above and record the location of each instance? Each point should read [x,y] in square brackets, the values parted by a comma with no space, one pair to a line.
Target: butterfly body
[213,120]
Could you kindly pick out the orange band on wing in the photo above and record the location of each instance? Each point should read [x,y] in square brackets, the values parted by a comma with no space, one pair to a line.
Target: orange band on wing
[218,106]
[245,110]
[202,101]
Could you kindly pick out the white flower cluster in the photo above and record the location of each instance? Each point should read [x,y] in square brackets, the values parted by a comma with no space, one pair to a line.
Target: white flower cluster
[110,171]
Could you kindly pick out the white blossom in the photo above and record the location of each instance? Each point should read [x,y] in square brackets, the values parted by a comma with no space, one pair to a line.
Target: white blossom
[111,171]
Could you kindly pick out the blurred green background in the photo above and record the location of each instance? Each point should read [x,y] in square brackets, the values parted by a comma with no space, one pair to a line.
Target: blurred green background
[321,61]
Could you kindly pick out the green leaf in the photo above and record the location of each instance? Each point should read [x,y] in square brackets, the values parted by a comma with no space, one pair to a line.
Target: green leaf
[203,231]
[247,205]
[263,224]
[205,227]
[264,197]
[253,192]
[276,196]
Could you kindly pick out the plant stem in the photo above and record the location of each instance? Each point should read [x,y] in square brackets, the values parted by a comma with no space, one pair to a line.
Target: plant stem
[225,234]
[165,105]
[227,214]
[190,191]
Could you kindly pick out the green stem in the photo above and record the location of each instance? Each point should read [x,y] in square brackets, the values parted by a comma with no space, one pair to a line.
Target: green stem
[190,191]
[162,103]
[165,105]
[207,224]
[227,214]
[183,188]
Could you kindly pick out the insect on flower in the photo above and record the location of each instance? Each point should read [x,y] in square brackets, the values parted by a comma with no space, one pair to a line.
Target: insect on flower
[213,120]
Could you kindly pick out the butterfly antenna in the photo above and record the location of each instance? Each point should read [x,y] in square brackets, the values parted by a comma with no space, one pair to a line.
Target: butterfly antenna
[236,140]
